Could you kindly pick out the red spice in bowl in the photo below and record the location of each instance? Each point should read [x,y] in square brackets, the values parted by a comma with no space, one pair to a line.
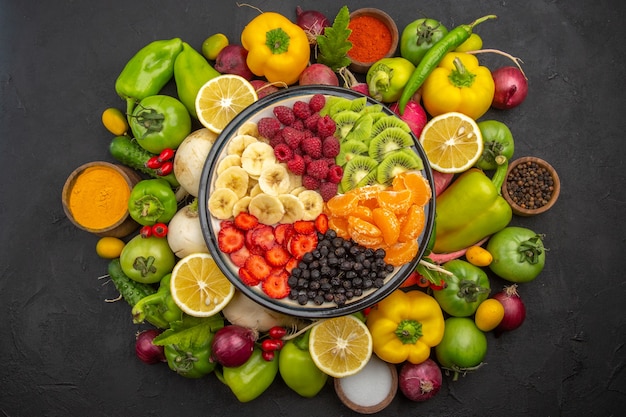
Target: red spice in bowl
[374,36]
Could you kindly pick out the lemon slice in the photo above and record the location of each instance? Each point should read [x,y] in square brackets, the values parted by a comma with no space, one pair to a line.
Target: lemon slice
[198,286]
[222,98]
[340,346]
[452,142]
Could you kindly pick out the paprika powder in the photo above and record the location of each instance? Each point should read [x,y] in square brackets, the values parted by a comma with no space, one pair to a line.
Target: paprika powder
[370,37]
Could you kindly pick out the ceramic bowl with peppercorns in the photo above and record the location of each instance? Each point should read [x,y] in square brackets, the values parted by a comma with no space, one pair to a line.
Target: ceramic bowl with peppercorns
[531,187]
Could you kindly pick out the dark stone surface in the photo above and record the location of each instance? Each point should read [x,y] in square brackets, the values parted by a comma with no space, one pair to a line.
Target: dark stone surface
[66,352]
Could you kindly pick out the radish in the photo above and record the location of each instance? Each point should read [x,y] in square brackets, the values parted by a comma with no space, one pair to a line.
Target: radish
[414,115]
[264,88]
[232,60]
[420,382]
[184,232]
[350,81]
[318,74]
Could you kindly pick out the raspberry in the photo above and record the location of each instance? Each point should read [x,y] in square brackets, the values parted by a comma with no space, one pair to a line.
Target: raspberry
[307,160]
[283,152]
[310,183]
[298,124]
[317,102]
[277,139]
[296,165]
[284,114]
[311,122]
[326,126]
[327,190]
[292,137]
[330,147]
[312,147]
[268,126]
[335,174]
[317,169]
[301,109]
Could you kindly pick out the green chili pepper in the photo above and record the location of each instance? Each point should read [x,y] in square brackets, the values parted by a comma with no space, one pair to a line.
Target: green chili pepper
[297,368]
[498,146]
[470,209]
[147,72]
[251,379]
[191,71]
[434,55]
[164,309]
[152,201]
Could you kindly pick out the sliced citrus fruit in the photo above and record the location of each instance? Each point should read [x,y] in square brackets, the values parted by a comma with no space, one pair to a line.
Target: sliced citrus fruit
[452,142]
[342,204]
[397,201]
[414,181]
[340,346]
[199,287]
[222,98]
[413,223]
[401,252]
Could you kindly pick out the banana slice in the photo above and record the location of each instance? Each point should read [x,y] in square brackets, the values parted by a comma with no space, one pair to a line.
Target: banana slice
[238,143]
[256,190]
[294,209]
[267,208]
[228,161]
[235,178]
[241,205]
[221,203]
[296,191]
[256,157]
[313,204]
[294,180]
[249,128]
[274,180]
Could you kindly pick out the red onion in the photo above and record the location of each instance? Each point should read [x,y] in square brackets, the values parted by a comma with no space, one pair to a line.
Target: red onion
[511,87]
[514,309]
[420,382]
[232,345]
[414,115]
[312,22]
[147,351]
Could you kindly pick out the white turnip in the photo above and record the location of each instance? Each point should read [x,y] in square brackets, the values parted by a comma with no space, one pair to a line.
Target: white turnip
[420,382]
[243,311]
[184,232]
[190,157]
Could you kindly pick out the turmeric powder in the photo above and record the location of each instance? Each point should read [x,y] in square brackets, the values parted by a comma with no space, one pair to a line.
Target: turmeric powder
[99,197]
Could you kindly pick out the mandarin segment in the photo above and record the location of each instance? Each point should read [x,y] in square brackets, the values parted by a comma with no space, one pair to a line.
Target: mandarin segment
[342,204]
[397,201]
[412,224]
[401,252]
[414,181]
[388,223]
[363,227]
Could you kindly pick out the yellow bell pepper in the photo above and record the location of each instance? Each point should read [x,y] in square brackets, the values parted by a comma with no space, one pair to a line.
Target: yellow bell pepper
[458,84]
[405,326]
[278,49]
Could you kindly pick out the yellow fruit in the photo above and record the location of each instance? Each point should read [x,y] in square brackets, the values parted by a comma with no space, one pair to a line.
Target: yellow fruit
[212,45]
[109,247]
[473,43]
[479,256]
[452,142]
[199,287]
[222,98]
[340,346]
[489,314]
[114,121]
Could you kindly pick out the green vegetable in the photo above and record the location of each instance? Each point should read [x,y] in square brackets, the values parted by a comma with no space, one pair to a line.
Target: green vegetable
[518,254]
[419,36]
[333,45]
[433,56]
[464,291]
[387,77]
[498,146]
[152,201]
[160,122]
[470,209]
[147,72]
[251,379]
[463,347]
[191,71]
[147,260]
[297,368]
[129,153]
[160,308]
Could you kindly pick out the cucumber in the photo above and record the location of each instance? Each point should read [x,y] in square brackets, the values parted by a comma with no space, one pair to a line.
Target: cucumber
[132,291]
[129,153]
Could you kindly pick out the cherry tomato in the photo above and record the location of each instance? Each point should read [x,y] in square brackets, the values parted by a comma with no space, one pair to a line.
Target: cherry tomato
[277,332]
[271,345]
[159,230]
[146,231]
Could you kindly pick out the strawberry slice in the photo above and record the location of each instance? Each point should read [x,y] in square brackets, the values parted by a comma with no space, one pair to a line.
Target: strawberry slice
[275,285]
[263,237]
[282,233]
[227,223]
[277,256]
[249,240]
[291,264]
[300,243]
[230,239]
[304,226]
[240,256]
[247,278]
[258,267]
[246,221]
[321,223]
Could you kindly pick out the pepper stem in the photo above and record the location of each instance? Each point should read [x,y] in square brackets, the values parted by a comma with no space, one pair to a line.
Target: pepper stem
[379,81]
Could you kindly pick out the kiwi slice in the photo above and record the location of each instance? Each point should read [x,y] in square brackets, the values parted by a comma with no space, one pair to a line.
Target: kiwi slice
[389,121]
[369,179]
[395,163]
[358,104]
[349,149]
[345,121]
[340,105]
[355,170]
[362,129]
[330,101]
[374,108]
[387,141]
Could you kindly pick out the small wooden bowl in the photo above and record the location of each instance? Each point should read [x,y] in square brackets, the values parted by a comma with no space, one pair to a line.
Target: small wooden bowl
[362,67]
[507,190]
[123,226]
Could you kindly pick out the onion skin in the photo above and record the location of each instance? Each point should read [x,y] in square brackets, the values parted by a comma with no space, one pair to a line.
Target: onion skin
[233,345]
[420,382]
[514,310]
[146,351]
[511,87]
[312,22]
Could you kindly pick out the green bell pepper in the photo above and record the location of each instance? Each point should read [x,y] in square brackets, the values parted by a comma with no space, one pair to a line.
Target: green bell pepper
[190,363]
[251,379]
[470,209]
[148,71]
[498,146]
[387,77]
[297,368]
[464,290]
[191,71]
[419,36]
[164,309]
[152,201]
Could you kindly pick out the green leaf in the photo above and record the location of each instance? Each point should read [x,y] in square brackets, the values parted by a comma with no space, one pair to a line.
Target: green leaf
[190,331]
[435,277]
[333,45]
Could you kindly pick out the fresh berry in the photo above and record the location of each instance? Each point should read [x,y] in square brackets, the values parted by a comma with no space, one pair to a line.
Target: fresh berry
[258,267]
[335,174]
[317,169]
[293,262]
[282,233]
[301,109]
[277,256]
[311,122]
[263,237]
[326,126]
[317,102]
[277,332]
[312,147]
[283,152]
[268,127]
[246,221]
[327,190]
[321,223]
[240,256]
[275,285]
[310,183]
[277,139]
[296,165]
[230,239]
[298,124]
[268,356]
[285,115]
[292,137]
[247,277]
[299,244]
[272,345]
[304,226]
[330,147]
